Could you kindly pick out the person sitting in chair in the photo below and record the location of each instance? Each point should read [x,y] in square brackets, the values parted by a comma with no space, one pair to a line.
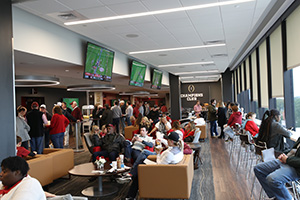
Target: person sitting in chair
[139,143]
[16,184]
[111,144]
[274,174]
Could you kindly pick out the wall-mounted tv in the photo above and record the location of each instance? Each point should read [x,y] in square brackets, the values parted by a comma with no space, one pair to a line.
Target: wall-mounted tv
[156,79]
[98,63]
[137,76]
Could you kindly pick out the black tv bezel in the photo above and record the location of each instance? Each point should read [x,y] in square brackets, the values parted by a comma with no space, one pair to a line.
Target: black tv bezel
[131,72]
[86,49]
[153,77]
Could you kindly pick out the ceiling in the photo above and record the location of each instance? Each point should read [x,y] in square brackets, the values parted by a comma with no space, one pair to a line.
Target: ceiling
[230,24]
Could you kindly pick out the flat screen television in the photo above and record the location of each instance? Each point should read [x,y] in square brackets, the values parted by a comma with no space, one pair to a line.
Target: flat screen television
[98,63]
[137,76]
[156,79]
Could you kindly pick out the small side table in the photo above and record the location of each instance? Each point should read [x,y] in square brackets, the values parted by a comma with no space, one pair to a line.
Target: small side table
[197,148]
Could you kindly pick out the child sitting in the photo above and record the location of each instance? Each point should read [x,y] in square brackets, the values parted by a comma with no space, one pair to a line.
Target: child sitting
[21,151]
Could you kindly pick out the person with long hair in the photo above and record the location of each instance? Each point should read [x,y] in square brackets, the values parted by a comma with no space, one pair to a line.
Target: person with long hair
[235,117]
[249,124]
[58,127]
[272,132]
[221,118]
[189,132]
[22,128]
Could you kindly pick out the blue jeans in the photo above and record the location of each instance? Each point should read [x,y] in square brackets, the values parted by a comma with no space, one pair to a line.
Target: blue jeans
[111,155]
[116,122]
[36,144]
[273,175]
[128,121]
[213,128]
[139,160]
[58,140]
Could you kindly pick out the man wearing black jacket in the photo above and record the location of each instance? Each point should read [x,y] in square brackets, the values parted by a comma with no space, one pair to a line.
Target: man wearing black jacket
[68,115]
[274,174]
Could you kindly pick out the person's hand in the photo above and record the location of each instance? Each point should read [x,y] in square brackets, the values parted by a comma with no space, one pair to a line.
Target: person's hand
[34,152]
[282,158]
[138,139]
[78,120]
[158,149]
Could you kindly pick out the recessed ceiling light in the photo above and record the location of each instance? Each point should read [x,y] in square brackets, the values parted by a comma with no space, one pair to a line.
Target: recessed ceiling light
[186,64]
[176,49]
[67,70]
[157,12]
[132,35]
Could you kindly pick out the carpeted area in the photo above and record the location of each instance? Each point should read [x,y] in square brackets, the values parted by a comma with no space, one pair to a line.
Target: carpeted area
[203,182]
[202,188]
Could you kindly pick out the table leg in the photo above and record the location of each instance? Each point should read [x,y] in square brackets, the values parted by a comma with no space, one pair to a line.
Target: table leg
[100,190]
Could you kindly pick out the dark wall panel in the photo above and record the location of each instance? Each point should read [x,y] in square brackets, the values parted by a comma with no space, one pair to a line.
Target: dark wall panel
[175,102]
[227,86]
[7,114]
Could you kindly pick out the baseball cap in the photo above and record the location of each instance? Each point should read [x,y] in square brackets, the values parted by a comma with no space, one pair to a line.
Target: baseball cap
[43,106]
[72,102]
[35,104]
[109,125]
[58,103]
[173,136]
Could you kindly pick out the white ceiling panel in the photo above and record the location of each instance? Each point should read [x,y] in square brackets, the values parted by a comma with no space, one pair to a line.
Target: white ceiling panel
[230,24]
[77,4]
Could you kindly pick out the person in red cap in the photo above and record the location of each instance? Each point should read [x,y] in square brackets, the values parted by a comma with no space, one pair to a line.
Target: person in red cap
[111,144]
[35,120]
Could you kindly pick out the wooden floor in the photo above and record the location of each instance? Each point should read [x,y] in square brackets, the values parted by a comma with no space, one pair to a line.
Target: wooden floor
[228,183]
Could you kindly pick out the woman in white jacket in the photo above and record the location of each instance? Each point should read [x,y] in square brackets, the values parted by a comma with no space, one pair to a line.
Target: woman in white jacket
[22,128]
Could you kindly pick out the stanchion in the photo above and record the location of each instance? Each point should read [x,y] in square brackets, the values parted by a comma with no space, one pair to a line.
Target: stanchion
[76,150]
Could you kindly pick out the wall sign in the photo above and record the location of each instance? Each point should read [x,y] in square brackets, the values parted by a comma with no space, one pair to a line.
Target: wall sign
[192,96]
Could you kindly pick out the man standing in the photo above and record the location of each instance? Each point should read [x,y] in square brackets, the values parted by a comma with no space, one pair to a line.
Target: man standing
[212,118]
[141,108]
[123,118]
[68,115]
[106,116]
[35,120]
[197,108]
[46,129]
[129,113]
[76,113]
[117,114]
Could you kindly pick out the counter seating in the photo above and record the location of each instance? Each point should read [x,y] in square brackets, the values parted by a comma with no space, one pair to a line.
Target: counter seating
[51,165]
[156,181]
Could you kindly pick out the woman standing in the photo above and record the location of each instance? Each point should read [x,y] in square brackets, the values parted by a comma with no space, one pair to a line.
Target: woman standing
[57,127]
[22,128]
[221,118]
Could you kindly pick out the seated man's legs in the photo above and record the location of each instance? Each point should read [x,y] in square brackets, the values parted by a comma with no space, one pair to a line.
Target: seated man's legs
[140,159]
[113,155]
[127,150]
[135,153]
[273,175]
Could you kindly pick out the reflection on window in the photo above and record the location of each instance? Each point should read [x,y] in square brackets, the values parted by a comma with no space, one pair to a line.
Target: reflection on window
[296,75]
[280,108]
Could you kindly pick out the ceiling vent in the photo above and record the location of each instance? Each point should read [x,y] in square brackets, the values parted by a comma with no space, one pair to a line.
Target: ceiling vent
[219,55]
[214,42]
[67,16]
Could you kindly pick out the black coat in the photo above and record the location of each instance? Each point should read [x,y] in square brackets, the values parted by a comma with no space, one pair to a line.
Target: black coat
[222,116]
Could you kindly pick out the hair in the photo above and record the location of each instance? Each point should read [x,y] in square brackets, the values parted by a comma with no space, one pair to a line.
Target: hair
[18,139]
[94,128]
[211,101]
[234,108]
[103,128]
[143,126]
[147,123]
[232,104]
[57,110]
[179,144]
[15,163]
[64,103]
[192,125]
[264,130]
[106,106]
[250,114]
[20,109]
[221,104]
[237,104]
[138,119]
[116,103]
[176,125]
[129,103]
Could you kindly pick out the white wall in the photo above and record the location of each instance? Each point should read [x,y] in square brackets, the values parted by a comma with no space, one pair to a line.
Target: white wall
[37,36]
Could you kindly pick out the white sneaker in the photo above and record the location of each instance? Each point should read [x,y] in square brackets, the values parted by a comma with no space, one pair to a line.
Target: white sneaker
[123,180]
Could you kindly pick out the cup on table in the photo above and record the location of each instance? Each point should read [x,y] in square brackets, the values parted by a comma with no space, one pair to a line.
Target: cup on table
[114,164]
[122,158]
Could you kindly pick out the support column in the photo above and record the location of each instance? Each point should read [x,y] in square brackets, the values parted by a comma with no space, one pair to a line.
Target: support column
[175,100]
[227,86]
[7,88]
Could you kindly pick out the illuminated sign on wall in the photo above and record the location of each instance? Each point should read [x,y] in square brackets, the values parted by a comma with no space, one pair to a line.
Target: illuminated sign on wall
[192,96]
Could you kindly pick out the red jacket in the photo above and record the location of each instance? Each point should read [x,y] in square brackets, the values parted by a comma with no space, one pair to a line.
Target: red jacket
[187,134]
[58,124]
[235,117]
[22,152]
[136,112]
[76,113]
[251,127]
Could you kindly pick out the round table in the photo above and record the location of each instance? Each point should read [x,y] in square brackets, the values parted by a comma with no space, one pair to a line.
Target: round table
[101,190]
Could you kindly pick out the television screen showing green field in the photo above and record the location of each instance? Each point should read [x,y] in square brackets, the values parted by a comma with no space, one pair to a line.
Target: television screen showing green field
[156,79]
[138,71]
[98,63]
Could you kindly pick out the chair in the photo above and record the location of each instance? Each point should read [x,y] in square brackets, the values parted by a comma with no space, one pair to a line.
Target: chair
[197,135]
[88,142]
